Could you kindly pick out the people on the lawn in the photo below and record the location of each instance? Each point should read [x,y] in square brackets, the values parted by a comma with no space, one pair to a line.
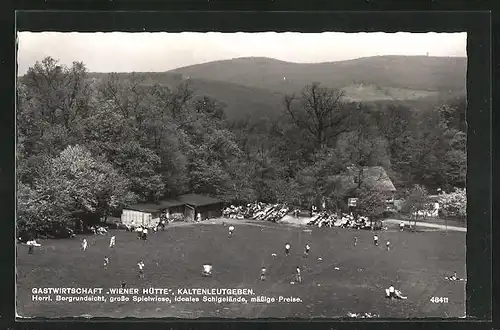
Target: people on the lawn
[106,262]
[287,249]
[375,239]
[263,274]
[84,244]
[231,229]
[141,269]
[207,270]
[298,277]
[355,240]
[392,293]
[454,277]
[112,242]
[401,226]
[306,250]
[388,245]
[31,245]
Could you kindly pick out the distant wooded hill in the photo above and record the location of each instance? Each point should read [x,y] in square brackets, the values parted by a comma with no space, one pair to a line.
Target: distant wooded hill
[256,86]
[406,72]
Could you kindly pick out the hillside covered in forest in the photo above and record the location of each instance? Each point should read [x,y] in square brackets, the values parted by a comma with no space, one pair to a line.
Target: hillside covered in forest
[256,86]
[89,143]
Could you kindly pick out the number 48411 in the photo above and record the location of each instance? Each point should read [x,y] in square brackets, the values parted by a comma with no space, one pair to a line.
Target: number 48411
[439,300]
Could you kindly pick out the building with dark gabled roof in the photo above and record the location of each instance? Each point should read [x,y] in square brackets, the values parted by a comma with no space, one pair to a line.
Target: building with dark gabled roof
[207,207]
[188,205]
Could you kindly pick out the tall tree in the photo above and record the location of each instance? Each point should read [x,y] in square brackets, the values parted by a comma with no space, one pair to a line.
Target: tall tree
[52,100]
[371,202]
[79,185]
[319,112]
[416,201]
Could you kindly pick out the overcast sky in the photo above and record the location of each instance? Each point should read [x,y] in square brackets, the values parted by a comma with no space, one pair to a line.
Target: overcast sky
[126,52]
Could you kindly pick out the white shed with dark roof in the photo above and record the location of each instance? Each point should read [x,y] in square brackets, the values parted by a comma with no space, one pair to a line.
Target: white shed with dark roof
[189,205]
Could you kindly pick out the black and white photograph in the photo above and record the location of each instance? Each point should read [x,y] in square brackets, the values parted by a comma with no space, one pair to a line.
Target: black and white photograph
[241,175]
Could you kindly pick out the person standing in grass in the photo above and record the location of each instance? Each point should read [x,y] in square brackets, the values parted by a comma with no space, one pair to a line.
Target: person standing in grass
[31,246]
[112,242]
[388,245]
[401,226]
[375,240]
[106,262]
[145,234]
[231,229]
[355,240]
[84,244]
[141,269]
[298,277]
[263,274]
[287,249]
[306,250]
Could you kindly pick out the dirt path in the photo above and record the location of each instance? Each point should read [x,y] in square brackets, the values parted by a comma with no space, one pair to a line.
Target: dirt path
[219,221]
[260,223]
[429,225]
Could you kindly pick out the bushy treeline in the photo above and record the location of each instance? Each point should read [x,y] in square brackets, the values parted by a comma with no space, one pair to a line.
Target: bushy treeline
[87,147]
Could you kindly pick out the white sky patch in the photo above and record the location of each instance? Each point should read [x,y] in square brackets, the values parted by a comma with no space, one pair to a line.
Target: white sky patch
[161,51]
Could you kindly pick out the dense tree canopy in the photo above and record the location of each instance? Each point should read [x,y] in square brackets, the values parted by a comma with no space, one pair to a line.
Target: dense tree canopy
[86,147]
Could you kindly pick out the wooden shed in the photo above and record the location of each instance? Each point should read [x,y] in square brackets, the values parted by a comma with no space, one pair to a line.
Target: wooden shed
[141,215]
[208,207]
[149,214]
[188,205]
